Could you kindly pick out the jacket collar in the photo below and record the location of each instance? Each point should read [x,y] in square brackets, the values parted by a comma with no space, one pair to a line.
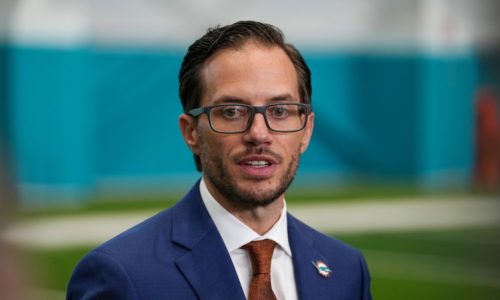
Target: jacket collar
[207,264]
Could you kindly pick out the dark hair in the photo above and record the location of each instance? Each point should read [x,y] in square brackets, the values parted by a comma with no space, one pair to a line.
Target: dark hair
[234,36]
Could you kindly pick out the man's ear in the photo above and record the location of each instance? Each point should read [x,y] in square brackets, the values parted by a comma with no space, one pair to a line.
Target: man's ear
[308,131]
[189,130]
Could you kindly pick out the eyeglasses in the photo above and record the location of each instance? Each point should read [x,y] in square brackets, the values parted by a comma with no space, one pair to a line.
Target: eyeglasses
[237,118]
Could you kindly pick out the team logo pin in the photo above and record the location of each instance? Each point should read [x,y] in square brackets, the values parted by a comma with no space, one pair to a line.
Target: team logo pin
[322,268]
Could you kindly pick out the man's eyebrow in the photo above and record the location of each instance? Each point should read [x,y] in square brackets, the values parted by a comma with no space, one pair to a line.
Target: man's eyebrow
[283,97]
[234,99]
[228,99]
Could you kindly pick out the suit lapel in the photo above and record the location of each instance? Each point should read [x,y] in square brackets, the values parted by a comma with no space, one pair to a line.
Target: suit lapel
[310,284]
[207,264]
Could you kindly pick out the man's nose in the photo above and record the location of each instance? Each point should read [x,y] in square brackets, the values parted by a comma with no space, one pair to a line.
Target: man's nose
[258,132]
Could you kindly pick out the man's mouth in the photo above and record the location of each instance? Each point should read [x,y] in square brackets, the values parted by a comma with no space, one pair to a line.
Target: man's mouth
[258,166]
[257,163]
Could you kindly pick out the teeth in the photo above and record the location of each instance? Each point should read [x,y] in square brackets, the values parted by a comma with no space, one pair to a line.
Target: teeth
[257,163]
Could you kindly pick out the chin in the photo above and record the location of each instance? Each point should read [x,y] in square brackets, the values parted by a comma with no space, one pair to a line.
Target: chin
[257,194]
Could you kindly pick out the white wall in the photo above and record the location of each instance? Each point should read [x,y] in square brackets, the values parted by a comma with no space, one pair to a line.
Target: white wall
[399,24]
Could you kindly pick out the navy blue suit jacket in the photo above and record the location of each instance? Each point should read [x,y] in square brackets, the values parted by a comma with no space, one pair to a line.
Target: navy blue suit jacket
[179,254]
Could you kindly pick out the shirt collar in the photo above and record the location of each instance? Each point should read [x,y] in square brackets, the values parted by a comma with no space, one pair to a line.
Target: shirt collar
[235,233]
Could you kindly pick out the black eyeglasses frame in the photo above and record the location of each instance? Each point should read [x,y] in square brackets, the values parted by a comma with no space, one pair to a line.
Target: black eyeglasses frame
[196,112]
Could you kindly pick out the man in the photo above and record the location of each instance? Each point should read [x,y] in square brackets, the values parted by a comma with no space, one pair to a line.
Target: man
[247,119]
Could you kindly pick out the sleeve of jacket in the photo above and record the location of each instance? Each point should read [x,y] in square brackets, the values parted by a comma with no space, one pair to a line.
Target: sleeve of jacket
[366,292]
[100,276]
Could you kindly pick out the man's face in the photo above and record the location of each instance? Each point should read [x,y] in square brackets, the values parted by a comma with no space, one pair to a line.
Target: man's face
[255,167]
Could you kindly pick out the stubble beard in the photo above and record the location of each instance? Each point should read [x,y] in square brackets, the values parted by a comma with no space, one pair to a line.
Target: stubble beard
[219,176]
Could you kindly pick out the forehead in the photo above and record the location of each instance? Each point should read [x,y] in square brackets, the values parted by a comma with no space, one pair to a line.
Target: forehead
[252,72]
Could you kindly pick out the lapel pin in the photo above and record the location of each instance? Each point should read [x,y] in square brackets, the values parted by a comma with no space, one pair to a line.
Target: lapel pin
[322,268]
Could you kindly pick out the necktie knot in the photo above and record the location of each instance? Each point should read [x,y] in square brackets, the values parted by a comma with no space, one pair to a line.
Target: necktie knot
[261,253]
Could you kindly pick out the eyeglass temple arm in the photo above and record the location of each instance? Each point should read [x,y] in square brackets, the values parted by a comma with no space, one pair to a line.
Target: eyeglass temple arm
[196,111]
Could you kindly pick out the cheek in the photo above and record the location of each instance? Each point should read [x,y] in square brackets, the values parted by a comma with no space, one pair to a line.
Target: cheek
[214,145]
[294,146]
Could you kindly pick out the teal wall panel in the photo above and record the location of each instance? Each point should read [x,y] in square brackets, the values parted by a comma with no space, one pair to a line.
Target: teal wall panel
[51,122]
[386,97]
[335,134]
[82,116]
[3,100]
[136,119]
[447,123]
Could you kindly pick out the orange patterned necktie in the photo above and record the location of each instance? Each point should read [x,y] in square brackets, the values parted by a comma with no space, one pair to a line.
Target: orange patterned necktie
[261,253]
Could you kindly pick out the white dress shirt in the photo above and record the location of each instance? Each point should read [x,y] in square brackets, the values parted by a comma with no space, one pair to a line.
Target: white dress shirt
[235,234]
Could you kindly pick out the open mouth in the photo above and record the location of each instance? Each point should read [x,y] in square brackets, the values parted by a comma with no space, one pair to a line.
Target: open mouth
[257,163]
[258,166]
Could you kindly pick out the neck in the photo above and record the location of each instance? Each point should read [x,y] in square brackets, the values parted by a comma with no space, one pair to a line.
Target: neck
[259,218]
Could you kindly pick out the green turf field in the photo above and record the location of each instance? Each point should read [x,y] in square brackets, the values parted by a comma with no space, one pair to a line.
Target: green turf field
[458,263]
[446,264]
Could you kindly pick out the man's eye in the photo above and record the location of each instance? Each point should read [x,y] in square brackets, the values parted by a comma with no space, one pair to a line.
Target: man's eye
[232,112]
[278,112]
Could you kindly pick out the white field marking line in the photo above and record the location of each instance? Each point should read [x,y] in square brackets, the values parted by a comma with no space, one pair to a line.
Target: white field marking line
[431,268]
[359,217]
[423,213]
[73,231]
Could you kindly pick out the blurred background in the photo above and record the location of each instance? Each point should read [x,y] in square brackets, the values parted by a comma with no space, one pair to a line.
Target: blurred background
[407,101]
